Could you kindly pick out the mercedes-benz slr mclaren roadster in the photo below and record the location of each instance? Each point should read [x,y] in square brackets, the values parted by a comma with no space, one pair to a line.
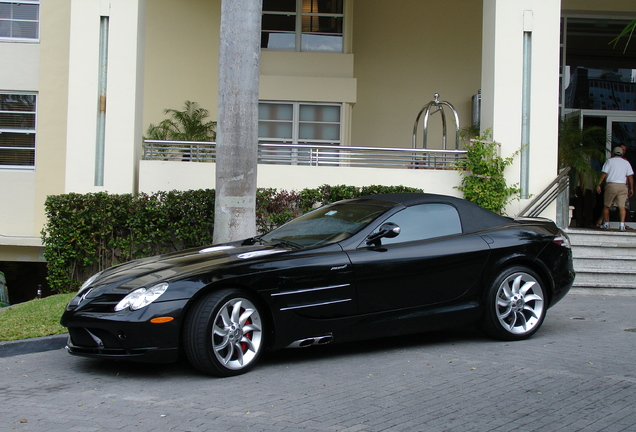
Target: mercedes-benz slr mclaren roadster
[362,268]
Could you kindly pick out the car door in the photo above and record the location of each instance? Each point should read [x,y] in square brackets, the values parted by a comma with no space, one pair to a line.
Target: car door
[313,284]
[431,261]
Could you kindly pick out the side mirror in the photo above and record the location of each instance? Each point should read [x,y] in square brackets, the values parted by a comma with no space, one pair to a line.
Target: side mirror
[388,230]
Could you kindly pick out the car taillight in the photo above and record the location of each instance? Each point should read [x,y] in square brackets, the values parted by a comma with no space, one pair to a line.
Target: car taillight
[562,240]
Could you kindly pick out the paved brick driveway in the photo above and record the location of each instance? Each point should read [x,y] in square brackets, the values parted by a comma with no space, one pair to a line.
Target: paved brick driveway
[577,374]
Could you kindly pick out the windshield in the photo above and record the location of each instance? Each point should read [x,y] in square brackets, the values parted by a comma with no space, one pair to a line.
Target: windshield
[327,224]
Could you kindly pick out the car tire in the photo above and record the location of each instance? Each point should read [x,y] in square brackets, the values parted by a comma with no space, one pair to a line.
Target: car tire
[223,333]
[516,304]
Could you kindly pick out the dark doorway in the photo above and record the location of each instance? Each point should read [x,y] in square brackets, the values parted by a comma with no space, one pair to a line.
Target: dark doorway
[24,279]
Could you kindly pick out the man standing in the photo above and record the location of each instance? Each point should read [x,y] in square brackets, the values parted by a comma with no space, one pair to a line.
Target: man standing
[620,185]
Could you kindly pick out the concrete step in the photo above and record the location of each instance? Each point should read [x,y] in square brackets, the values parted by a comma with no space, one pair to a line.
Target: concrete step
[604,259]
[601,238]
[603,252]
[607,263]
[607,276]
[599,286]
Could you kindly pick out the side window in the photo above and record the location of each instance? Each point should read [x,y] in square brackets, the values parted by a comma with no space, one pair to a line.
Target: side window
[425,221]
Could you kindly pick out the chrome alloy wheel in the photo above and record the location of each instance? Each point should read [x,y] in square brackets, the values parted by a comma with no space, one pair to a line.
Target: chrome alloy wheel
[237,334]
[520,303]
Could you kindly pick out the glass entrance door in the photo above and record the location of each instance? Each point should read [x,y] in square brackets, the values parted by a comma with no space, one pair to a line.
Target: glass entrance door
[623,132]
[620,127]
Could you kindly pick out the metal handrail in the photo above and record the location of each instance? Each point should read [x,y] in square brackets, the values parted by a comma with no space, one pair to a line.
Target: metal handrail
[549,194]
[312,155]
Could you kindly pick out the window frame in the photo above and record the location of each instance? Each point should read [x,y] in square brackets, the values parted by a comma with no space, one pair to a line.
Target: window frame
[299,156]
[12,20]
[30,131]
[298,28]
[296,122]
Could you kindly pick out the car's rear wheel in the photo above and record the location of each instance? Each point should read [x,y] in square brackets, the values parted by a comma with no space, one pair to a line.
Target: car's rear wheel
[223,333]
[515,305]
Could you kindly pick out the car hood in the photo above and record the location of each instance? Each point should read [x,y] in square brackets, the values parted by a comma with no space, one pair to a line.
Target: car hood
[146,272]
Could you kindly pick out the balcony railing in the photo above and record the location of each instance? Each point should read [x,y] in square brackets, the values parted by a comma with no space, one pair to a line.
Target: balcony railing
[311,155]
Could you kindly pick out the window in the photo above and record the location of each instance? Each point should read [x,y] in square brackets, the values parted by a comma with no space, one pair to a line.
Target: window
[17,130]
[302,25]
[424,222]
[20,20]
[328,224]
[302,124]
[595,75]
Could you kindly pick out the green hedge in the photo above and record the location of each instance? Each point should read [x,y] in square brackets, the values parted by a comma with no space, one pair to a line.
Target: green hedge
[86,233]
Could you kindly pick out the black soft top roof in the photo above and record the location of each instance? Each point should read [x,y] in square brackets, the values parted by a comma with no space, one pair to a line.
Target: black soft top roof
[473,217]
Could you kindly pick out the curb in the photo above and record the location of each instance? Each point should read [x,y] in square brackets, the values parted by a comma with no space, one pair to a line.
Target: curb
[34,345]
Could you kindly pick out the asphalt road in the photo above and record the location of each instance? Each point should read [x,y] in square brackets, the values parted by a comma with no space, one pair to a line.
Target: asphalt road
[578,373]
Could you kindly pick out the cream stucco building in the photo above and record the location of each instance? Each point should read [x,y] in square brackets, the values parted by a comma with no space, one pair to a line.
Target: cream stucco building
[347,73]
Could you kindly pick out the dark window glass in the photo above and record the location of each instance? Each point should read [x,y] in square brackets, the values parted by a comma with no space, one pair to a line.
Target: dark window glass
[327,225]
[17,130]
[598,75]
[17,157]
[424,222]
[279,5]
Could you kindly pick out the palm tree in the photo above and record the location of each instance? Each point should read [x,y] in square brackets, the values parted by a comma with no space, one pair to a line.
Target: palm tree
[186,125]
[237,145]
[579,147]
[628,30]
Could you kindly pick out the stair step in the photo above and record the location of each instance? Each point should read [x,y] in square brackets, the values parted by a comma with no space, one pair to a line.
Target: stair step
[588,285]
[611,262]
[602,238]
[606,277]
[604,259]
[606,252]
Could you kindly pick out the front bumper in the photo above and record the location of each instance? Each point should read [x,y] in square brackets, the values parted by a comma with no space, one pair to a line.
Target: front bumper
[146,354]
[126,335]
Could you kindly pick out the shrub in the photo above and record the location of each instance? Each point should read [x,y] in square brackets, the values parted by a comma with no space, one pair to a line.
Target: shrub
[483,180]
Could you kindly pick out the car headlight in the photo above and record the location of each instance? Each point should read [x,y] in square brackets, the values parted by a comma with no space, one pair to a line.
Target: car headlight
[141,297]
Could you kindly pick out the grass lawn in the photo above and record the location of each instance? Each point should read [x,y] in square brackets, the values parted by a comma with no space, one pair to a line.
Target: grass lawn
[34,318]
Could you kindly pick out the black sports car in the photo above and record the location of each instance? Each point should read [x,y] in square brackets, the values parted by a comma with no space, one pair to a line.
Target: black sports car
[363,268]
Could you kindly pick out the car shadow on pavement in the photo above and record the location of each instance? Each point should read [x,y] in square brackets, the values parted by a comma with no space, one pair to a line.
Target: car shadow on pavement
[368,347]
[284,357]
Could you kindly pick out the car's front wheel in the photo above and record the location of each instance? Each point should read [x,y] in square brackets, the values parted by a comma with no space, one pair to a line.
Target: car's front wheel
[516,304]
[223,333]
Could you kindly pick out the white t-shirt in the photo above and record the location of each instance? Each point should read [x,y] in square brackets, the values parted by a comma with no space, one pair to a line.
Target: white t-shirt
[617,170]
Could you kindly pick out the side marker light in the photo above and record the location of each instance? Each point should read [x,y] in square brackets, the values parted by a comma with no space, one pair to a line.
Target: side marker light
[161,320]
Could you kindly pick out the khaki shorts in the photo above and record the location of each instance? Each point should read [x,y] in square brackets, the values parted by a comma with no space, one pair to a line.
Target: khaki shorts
[616,191]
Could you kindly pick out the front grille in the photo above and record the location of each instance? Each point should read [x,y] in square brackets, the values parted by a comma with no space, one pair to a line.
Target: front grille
[94,338]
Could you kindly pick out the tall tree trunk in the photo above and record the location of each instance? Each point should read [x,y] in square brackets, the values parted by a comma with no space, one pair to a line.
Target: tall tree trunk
[237,134]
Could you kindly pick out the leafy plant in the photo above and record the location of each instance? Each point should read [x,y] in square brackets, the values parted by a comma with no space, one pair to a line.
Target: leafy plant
[627,31]
[275,208]
[579,147]
[483,180]
[86,233]
[186,125]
